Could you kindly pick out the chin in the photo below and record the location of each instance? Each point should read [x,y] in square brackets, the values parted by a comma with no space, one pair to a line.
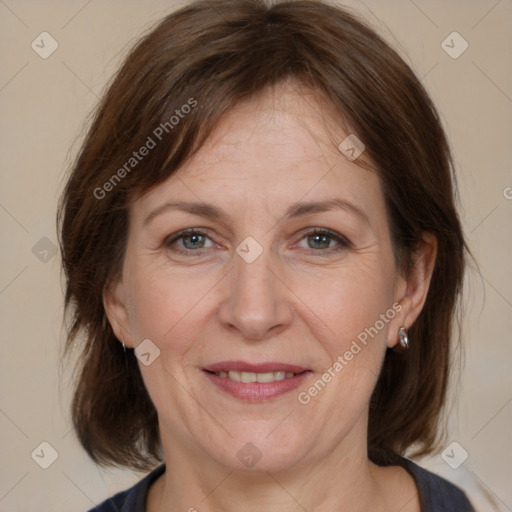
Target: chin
[260,450]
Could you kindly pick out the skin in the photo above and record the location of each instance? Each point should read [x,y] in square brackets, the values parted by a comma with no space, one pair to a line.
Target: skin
[302,301]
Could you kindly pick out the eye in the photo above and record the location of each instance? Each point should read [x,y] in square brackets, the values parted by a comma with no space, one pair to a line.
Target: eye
[324,240]
[193,241]
[188,241]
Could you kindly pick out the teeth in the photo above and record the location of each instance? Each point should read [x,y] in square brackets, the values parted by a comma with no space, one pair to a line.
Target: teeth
[248,377]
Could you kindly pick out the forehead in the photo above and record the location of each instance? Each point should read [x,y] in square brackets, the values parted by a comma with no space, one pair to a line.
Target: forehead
[281,124]
[275,148]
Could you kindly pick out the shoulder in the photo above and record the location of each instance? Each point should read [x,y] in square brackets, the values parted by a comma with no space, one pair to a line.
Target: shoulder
[132,499]
[437,494]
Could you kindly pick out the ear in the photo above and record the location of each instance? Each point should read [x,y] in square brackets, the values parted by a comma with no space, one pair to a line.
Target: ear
[411,290]
[116,310]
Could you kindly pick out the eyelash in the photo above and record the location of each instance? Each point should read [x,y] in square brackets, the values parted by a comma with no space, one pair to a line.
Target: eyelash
[343,243]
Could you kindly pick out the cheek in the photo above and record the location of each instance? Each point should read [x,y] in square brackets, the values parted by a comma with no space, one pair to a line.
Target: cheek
[167,306]
[348,305]
[169,309]
[350,316]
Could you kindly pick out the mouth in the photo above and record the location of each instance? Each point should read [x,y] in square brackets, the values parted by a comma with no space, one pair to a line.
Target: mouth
[255,382]
[248,377]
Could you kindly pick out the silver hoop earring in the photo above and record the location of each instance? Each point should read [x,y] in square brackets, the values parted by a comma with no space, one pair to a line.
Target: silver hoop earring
[403,336]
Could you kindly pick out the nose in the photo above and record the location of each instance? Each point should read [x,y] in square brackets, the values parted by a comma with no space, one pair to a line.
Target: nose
[257,301]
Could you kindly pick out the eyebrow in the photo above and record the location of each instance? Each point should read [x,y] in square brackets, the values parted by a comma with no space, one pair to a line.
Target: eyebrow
[299,209]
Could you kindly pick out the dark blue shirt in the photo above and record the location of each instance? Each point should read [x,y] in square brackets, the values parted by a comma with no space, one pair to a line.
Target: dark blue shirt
[436,494]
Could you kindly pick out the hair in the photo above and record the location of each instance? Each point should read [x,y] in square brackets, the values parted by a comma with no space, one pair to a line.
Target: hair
[209,56]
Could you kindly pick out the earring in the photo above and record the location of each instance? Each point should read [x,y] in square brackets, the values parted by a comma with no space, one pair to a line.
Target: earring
[124,346]
[403,336]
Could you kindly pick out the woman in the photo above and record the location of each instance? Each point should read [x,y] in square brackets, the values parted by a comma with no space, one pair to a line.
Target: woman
[264,258]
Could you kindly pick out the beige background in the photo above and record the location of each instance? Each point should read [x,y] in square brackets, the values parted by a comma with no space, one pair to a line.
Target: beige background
[44,103]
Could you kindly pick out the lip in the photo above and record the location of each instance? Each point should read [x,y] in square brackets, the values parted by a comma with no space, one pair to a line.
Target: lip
[256,391]
[242,366]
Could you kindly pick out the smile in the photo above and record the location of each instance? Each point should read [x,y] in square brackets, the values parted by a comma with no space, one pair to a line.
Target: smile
[248,377]
[255,382]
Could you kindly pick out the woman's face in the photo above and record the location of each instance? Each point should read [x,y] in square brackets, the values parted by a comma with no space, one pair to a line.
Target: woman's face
[290,269]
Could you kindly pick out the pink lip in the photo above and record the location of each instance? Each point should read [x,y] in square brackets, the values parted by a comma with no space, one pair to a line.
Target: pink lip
[242,366]
[255,391]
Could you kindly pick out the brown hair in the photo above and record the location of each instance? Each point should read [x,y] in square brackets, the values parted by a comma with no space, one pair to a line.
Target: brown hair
[210,55]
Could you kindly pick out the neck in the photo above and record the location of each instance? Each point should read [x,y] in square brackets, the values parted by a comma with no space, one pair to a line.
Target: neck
[342,480]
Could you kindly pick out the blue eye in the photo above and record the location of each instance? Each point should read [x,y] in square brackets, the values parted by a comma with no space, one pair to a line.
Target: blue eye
[192,242]
[322,240]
